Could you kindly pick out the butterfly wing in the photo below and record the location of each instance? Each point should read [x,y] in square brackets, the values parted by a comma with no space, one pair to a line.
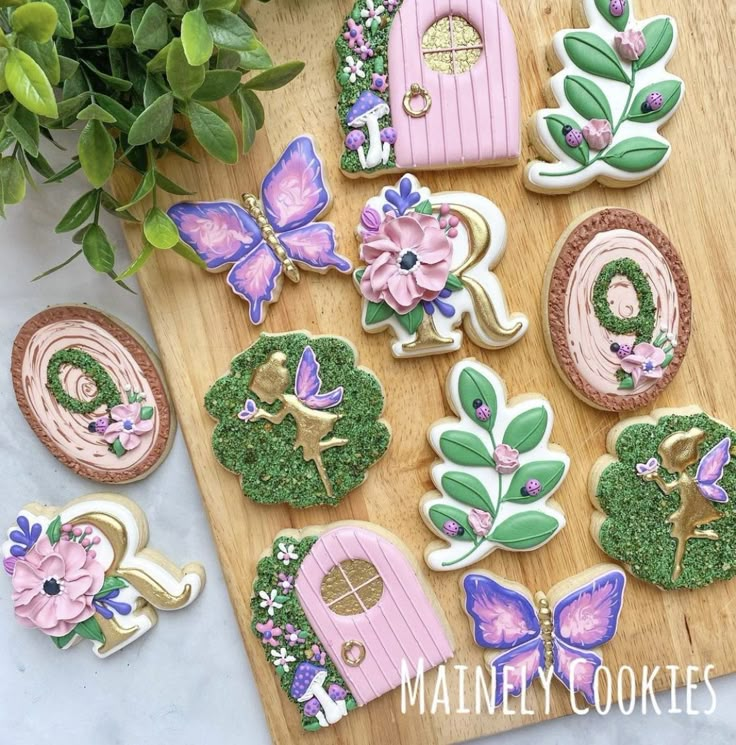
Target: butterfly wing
[221,233]
[517,669]
[308,383]
[314,247]
[256,278]
[710,471]
[588,616]
[503,616]
[294,192]
[576,669]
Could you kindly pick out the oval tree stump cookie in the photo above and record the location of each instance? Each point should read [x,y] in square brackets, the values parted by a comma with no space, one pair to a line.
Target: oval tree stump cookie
[617,309]
[664,498]
[93,393]
[298,420]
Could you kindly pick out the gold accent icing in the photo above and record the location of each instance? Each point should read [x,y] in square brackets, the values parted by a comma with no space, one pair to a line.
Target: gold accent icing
[348,658]
[678,452]
[115,635]
[417,91]
[351,587]
[545,621]
[451,45]
[427,336]
[253,208]
[270,382]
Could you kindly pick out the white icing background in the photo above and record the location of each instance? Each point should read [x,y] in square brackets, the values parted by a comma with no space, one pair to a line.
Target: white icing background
[188,681]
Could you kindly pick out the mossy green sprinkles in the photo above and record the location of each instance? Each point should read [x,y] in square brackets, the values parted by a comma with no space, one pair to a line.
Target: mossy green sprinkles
[636,531]
[107,392]
[263,454]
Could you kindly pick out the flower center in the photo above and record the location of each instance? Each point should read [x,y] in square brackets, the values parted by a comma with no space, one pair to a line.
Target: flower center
[648,366]
[128,425]
[52,586]
[408,260]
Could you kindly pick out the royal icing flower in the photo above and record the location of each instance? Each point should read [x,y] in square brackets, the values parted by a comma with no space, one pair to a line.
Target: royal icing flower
[391,5]
[372,13]
[286,583]
[365,50]
[269,632]
[54,586]
[353,69]
[127,425]
[645,469]
[287,553]
[269,601]
[316,654]
[354,35]
[282,659]
[379,82]
[630,44]
[408,261]
[370,219]
[480,521]
[598,133]
[293,635]
[507,458]
[645,361]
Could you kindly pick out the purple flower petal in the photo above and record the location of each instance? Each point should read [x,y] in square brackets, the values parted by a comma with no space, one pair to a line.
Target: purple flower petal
[17,551]
[9,564]
[23,523]
[18,537]
[446,309]
[428,307]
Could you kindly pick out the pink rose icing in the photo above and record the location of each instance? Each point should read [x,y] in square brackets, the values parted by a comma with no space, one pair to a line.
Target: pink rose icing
[127,426]
[598,133]
[219,231]
[408,262]
[646,361]
[53,586]
[480,522]
[630,44]
[507,459]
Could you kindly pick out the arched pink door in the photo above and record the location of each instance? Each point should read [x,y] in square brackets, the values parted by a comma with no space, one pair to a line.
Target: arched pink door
[356,586]
[463,53]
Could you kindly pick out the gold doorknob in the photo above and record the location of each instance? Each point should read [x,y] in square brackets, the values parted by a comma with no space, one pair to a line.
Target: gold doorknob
[417,91]
[348,656]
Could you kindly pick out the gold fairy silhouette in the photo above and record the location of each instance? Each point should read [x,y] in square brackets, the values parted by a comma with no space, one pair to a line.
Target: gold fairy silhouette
[697,494]
[306,405]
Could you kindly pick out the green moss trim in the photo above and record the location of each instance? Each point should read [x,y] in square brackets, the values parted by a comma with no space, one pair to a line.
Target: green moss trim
[636,531]
[266,580]
[107,392]
[271,471]
[642,324]
[349,92]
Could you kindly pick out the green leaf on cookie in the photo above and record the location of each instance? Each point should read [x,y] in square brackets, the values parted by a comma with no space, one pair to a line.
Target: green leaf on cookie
[548,473]
[592,55]
[440,514]
[671,92]
[467,489]
[465,449]
[557,124]
[525,431]
[659,34]
[474,386]
[636,154]
[525,530]
[587,98]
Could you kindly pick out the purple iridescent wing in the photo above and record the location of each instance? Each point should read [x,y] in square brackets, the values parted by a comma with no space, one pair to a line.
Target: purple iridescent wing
[314,247]
[576,669]
[294,193]
[588,616]
[517,669]
[308,384]
[221,233]
[256,278]
[502,617]
[710,471]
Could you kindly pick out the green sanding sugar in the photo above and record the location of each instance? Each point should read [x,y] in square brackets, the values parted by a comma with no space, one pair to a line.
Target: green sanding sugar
[270,571]
[636,531]
[107,392]
[263,454]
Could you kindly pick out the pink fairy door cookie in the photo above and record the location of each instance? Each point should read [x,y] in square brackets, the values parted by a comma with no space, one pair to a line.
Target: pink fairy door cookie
[427,85]
[341,610]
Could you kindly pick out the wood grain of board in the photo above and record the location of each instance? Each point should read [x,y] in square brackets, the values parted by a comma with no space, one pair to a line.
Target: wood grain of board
[200,326]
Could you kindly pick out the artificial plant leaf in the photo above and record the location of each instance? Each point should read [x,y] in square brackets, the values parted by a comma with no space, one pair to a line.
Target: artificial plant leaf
[117,84]
[40,165]
[160,229]
[171,186]
[154,122]
[187,252]
[124,119]
[70,107]
[23,124]
[591,54]
[137,264]
[217,84]
[636,154]
[213,133]
[121,36]
[68,170]
[144,188]
[276,77]
[64,27]
[105,13]
[94,111]
[56,268]
[587,98]
[183,78]
[37,21]
[248,125]
[111,205]
[153,30]
[12,181]
[29,85]
[256,57]
[196,37]
[96,152]
[97,249]
[255,105]
[228,31]
[45,55]
[78,213]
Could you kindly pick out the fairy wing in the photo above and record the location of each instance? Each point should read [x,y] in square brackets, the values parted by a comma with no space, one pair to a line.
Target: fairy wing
[576,669]
[294,193]
[314,247]
[221,233]
[256,278]
[710,471]
[503,617]
[308,383]
[588,616]
[517,669]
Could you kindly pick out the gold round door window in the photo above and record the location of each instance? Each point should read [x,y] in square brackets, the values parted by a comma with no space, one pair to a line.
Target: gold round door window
[451,45]
[351,587]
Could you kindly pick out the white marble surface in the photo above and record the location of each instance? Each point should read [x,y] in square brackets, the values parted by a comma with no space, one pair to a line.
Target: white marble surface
[188,682]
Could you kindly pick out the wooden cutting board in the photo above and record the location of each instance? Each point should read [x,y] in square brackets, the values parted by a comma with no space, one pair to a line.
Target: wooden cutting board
[200,326]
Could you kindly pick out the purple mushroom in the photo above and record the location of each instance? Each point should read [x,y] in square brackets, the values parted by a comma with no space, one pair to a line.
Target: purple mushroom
[338,694]
[308,684]
[366,112]
[355,140]
[313,708]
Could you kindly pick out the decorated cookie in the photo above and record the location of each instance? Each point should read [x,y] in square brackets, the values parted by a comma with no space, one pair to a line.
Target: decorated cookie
[263,240]
[608,102]
[496,474]
[559,632]
[664,498]
[298,420]
[341,611]
[93,393]
[428,276]
[616,307]
[427,85]
[83,571]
